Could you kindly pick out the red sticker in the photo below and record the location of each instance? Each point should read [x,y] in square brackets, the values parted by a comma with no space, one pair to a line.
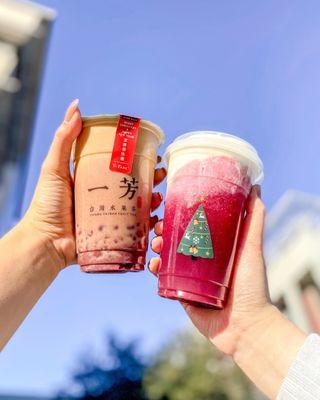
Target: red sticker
[124,144]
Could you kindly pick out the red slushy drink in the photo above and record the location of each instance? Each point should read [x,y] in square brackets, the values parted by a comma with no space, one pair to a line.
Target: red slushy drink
[114,159]
[210,175]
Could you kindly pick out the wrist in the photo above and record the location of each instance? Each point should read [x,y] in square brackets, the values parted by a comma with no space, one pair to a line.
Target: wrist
[266,350]
[255,329]
[28,267]
[41,244]
[241,327]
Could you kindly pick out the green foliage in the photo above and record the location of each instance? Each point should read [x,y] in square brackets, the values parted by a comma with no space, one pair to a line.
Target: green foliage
[189,368]
[115,375]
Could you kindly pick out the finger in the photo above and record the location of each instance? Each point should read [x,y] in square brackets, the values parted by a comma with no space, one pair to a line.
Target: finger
[156,244]
[59,153]
[255,193]
[158,228]
[252,234]
[185,305]
[197,313]
[156,201]
[71,110]
[159,175]
[153,220]
[154,265]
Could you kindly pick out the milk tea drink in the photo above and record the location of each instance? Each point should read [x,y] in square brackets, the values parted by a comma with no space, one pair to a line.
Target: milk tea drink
[210,175]
[114,160]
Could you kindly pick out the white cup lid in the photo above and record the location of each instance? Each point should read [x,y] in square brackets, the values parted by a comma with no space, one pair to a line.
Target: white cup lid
[220,141]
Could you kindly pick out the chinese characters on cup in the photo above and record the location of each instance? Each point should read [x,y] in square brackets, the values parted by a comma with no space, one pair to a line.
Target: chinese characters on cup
[129,188]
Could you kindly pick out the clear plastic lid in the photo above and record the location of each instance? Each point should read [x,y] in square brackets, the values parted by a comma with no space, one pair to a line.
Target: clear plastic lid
[211,140]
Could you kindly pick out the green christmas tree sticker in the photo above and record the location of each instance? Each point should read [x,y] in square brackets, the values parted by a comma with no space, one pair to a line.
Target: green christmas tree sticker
[196,240]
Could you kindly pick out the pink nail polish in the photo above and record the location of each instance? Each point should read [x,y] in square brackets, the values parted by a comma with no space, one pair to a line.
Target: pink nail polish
[71,109]
[75,103]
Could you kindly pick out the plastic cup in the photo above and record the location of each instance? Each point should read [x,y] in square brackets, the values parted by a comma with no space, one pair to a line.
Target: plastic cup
[112,209]
[210,175]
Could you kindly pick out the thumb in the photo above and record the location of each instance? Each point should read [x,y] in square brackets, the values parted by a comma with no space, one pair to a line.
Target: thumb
[58,157]
[252,232]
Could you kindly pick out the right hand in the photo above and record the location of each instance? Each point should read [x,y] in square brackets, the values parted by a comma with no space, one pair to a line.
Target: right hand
[248,306]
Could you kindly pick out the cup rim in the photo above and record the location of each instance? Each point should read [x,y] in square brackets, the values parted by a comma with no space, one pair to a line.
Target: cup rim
[91,120]
[221,141]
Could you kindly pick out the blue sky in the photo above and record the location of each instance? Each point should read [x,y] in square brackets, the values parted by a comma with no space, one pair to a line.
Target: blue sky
[249,68]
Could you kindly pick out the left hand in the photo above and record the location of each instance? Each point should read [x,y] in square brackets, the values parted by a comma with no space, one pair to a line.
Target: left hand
[51,213]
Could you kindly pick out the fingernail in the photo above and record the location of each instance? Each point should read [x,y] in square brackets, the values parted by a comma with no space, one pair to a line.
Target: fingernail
[153,220]
[163,170]
[73,106]
[71,109]
[257,190]
[75,103]
[160,196]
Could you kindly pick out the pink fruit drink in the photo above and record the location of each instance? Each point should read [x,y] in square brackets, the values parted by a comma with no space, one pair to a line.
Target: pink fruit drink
[205,203]
[113,207]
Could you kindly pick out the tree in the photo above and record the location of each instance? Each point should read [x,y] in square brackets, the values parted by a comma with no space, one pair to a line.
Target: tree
[196,240]
[116,376]
[189,368]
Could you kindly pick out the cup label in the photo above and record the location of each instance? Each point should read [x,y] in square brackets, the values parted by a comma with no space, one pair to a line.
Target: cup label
[196,240]
[125,144]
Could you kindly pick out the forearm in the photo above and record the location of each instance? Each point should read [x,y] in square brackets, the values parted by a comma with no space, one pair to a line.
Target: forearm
[28,265]
[266,351]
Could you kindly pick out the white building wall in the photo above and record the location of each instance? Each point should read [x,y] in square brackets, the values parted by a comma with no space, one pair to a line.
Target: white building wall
[296,256]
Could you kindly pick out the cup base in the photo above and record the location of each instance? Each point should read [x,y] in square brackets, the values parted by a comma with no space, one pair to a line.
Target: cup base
[191,298]
[111,261]
[197,287]
[111,268]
